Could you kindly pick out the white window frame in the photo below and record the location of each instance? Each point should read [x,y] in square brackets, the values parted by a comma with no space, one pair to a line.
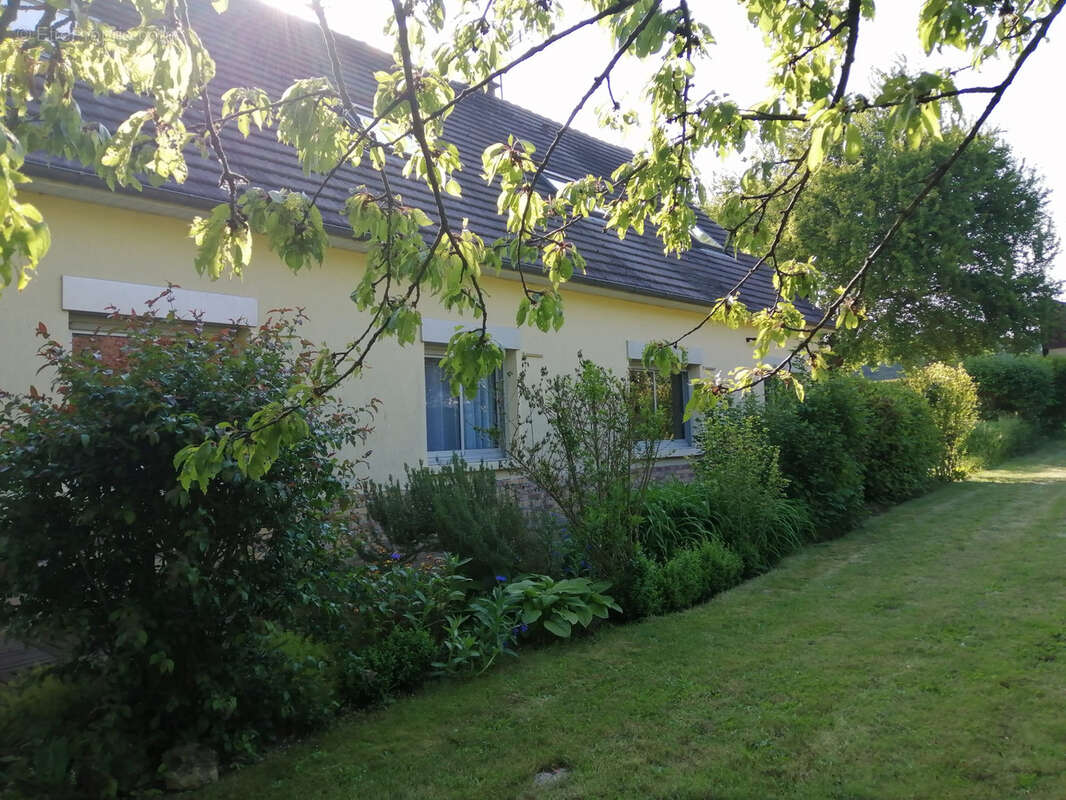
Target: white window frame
[479,455]
[686,425]
[691,367]
[435,335]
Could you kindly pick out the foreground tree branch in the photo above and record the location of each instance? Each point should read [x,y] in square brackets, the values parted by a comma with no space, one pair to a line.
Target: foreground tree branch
[812,115]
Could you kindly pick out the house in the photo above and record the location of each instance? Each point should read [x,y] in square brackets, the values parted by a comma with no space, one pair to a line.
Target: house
[120,248]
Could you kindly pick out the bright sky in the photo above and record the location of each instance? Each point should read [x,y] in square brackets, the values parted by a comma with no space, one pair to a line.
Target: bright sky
[552,83]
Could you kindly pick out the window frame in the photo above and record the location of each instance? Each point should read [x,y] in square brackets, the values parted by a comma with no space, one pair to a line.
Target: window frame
[470,455]
[672,447]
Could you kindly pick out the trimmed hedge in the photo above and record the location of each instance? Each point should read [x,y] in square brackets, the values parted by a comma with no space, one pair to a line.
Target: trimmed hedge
[822,443]
[1010,384]
[1056,410]
[904,448]
[693,574]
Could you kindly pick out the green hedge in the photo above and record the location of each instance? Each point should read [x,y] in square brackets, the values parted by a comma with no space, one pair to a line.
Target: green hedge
[1011,384]
[904,448]
[1056,410]
[693,574]
[822,443]
[952,397]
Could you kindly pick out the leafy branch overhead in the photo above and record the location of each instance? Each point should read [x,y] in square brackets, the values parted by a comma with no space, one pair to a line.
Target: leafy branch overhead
[446,52]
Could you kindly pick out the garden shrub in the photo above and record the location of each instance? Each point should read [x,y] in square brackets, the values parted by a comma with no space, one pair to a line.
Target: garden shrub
[722,568]
[952,397]
[676,514]
[1012,384]
[645,596]
[374,608]
[399,661]
[60,741]
[822,443]
[462,510]
[681,580]
[590,444]
[294,684]
[994,441]
[740,473]
[691,575]
[167,597]
[904,447]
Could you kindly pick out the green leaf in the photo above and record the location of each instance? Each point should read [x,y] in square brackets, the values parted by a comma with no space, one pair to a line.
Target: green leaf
[560,628]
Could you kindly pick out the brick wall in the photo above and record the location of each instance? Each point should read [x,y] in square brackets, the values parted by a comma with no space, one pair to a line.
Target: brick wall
[109,347]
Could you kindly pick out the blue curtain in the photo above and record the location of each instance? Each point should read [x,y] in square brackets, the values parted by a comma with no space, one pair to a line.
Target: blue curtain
[442,411]
[479,415]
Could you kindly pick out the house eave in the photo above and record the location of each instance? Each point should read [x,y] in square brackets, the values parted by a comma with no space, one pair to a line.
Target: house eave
[171,201]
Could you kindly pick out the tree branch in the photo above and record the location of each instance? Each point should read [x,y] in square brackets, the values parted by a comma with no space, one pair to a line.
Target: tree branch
[852,21]
[932,182]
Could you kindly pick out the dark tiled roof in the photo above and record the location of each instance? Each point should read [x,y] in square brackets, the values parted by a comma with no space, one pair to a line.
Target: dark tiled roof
[256,45]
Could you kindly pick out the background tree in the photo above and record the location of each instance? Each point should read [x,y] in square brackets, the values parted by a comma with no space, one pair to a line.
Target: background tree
[967,272]
[160,62]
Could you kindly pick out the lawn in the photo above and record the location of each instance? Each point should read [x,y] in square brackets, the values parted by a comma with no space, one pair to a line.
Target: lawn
[923,655]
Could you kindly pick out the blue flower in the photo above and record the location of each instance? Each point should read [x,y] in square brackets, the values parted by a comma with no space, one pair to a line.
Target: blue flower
[395,556]
[501,578]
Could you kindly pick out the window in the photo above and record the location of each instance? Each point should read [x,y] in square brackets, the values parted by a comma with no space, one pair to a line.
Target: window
[701,236]
[465,424]
[668,395]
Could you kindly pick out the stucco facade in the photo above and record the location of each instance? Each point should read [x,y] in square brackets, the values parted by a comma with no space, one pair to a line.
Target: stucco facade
[103,236]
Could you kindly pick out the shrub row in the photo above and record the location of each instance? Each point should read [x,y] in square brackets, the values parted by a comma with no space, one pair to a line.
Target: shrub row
[1029,386]
[772,476]
[247,611]
[854,443]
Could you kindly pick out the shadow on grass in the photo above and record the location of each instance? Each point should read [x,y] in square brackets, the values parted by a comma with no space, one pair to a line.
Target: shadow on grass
[1043,466]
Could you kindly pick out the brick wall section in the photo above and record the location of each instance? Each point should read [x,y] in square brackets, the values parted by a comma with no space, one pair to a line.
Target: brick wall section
[109,347]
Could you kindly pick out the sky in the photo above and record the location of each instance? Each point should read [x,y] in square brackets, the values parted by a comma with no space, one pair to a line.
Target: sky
[551,84]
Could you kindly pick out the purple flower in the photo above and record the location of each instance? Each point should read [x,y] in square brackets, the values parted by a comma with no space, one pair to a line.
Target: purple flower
[501,578]
[395,556]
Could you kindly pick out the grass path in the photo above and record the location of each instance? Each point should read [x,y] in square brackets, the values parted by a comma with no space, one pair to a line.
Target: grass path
[922,656]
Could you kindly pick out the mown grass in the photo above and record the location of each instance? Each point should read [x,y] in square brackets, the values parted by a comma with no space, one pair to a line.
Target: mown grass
[921,656]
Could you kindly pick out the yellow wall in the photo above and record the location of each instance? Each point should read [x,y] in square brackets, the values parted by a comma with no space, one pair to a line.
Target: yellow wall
[96,241]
